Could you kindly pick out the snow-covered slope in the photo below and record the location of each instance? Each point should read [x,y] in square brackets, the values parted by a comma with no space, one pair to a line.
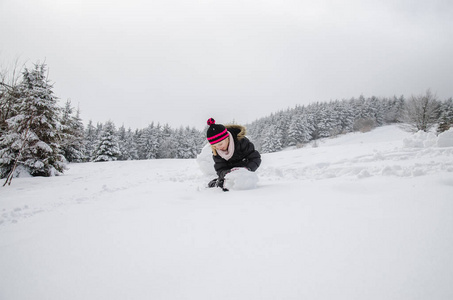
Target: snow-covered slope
[361,216]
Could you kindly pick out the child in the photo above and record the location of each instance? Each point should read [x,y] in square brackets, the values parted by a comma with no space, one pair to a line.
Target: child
[231,150]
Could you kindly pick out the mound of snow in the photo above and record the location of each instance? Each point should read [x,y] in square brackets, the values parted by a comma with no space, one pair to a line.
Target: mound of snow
[420,139]
[205,161]
[445,139]
[241,179]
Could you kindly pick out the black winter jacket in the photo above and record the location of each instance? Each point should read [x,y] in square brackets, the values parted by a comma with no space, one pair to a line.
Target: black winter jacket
[244,154]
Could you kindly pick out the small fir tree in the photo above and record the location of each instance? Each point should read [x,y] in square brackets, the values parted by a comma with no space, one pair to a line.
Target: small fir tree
[107,148]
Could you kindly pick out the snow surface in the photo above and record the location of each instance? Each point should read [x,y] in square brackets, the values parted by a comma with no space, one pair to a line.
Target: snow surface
[361,216]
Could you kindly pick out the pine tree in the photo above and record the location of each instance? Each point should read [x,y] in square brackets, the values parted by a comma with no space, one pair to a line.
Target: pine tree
[168,144]
[272,140]
[122,143]
[446,115]
[131,146]
[182,143]
[72,133]
[321,123]
[127,145]
[91,141]
[345,115]
[32,140]
[9,96]
[149,142]
[107,148]
[299,131]
[9,100]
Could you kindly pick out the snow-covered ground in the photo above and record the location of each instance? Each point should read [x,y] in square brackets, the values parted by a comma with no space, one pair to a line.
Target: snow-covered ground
[361,216]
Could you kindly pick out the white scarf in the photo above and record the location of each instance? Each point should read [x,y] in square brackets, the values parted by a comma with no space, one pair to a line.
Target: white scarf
[230,151]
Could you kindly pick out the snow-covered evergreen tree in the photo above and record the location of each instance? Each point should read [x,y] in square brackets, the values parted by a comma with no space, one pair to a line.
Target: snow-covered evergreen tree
[130,145]
[446,115]
[182,143]
[197,141]
[149,142]
[9,96]
[272,140]
[107,148]
[321,118]
[9,99]
[91,141]
[32,139]
[72,133]
[127,145]
[168,144]
[299,131]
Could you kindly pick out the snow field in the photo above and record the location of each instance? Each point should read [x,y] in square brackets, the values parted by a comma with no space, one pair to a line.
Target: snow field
[362,216]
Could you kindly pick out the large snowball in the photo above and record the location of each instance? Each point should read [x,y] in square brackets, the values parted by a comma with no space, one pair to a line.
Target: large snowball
[241,179]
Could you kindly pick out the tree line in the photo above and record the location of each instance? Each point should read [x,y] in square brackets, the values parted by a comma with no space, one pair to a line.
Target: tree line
[303,124]
[38,137]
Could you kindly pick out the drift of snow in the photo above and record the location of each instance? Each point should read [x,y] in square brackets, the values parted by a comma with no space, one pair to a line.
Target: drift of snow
[445,139]
[360,216]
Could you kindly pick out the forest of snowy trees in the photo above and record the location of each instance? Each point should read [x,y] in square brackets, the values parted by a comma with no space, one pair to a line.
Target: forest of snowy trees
[38,137]
[300,125]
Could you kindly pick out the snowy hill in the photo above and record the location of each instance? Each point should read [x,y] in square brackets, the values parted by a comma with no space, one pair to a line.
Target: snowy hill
[361,216]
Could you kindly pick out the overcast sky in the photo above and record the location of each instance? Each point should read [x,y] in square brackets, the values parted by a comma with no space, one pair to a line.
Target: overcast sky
[181,62]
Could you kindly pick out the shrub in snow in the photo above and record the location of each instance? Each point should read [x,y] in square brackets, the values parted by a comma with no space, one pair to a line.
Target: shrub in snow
[445,139]
[421,112]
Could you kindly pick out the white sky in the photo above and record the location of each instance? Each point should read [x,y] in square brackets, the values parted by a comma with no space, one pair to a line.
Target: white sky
[181,62]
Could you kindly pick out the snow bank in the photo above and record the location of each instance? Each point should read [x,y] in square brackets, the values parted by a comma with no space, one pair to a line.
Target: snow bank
[445,139]
[423,139]
[420,139]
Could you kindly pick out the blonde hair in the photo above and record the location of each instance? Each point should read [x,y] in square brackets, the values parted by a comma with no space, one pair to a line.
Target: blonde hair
[214,151]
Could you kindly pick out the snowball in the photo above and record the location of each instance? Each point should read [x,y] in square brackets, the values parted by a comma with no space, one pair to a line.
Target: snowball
[205,161]
[445,139]
[241,179]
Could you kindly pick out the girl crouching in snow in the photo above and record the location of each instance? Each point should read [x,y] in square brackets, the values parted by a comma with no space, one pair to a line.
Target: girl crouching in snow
[231,150]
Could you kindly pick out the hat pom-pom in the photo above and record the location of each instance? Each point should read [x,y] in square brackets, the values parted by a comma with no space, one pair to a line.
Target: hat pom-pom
[211,121]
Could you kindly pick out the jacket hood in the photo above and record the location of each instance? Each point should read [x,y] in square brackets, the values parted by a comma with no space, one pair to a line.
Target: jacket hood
[238,130]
